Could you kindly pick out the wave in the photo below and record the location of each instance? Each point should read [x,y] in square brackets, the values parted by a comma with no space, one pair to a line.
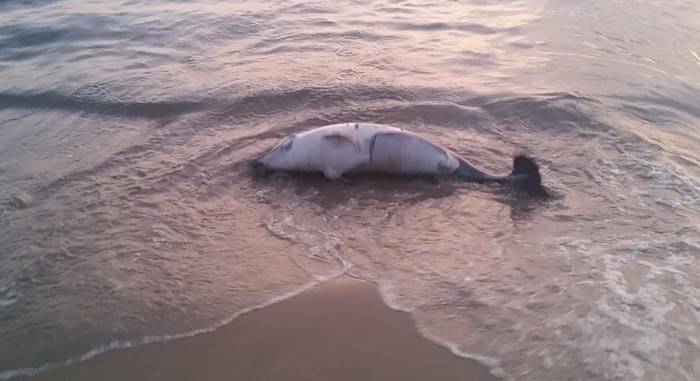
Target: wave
[445,26]
[9,4]
[137,109]
[123,344]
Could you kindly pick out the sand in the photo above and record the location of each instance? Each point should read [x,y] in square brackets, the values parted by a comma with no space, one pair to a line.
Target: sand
[340,330]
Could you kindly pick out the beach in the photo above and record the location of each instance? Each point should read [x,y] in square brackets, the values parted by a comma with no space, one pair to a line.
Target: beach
[339,330]
[137,241]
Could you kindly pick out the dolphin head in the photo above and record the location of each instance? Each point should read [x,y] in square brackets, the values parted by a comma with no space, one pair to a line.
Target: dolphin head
[279,157]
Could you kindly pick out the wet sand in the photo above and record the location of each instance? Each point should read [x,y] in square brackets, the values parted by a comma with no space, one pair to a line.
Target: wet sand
[340,330]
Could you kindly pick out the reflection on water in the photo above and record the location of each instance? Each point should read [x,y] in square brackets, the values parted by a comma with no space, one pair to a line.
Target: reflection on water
[129,210]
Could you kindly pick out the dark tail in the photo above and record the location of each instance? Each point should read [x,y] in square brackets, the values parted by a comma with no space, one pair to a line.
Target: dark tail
[526,177]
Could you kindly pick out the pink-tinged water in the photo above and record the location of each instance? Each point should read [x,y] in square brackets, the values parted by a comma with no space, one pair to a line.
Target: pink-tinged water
[129,213]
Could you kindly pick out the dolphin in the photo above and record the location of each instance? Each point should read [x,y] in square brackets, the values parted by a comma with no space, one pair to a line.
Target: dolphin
[338,149]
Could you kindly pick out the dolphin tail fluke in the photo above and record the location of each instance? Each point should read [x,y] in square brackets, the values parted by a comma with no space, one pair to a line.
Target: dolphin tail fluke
[526,177]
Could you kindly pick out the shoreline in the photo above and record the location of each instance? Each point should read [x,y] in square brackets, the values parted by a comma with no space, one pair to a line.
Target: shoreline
[340,329]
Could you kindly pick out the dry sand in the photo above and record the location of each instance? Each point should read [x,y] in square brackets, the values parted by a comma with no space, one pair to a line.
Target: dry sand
[340,330]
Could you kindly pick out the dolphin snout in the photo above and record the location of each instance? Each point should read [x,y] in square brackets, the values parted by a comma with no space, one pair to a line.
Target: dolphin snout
[259,168]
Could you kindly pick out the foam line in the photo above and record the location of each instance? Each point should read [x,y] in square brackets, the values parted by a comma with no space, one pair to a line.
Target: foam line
[493,364]
[122,344]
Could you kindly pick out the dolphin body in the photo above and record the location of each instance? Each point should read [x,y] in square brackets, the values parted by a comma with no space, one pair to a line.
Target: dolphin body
[338,149]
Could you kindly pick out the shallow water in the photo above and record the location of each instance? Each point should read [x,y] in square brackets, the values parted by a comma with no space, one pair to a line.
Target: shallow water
[129,212]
